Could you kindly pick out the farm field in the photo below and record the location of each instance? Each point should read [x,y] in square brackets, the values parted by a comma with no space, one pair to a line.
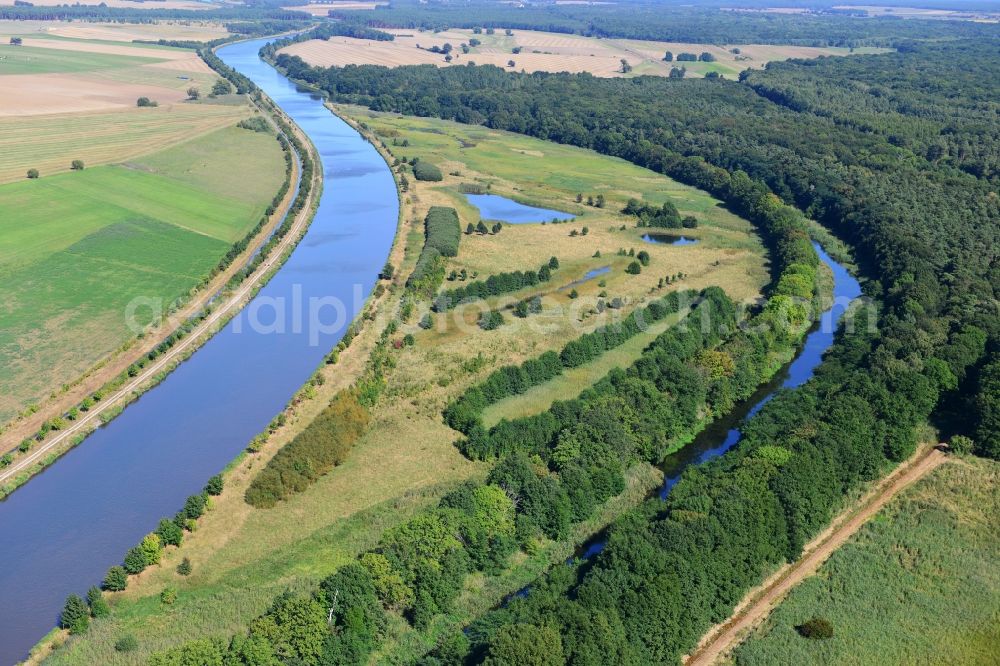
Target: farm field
[549,52]
[76,248]
[128,4]
[115,32]
[918,582]
[242,557]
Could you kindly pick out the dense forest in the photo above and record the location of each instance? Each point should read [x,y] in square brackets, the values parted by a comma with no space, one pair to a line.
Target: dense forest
[925,227]
[664,21]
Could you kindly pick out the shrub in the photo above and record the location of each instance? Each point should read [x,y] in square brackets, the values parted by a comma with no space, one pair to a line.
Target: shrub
[115,580]
[184,568]
[146,102]
[423,170]
[255,124]
[491,320]
[817,628]
[168,595]
[169,532]
[98,604]
[32,173]
[634,268]
[127,643]
[214,485]
[441,230]
[76,165]
[135,560]
[75,615]
[323,444]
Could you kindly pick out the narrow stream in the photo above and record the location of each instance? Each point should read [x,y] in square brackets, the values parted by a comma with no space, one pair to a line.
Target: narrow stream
[724,434]
[64,528]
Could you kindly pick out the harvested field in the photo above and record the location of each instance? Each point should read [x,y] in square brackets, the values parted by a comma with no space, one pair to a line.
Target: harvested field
[126,4]
[548,52]
[321,9]
[117,32]
[41,94]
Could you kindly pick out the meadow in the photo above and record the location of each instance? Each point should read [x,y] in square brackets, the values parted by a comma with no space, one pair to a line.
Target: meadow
[551,52]
[919,582]
[77,247]
[242,557]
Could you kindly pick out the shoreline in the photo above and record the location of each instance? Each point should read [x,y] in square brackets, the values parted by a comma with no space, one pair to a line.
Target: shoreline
[39,457]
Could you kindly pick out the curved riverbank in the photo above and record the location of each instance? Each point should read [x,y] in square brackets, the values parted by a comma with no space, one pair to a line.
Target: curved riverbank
[65,528]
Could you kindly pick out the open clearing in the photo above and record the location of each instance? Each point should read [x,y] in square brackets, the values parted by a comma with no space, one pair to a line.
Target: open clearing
[242,557]
[76,248]
[548,52]
[918,582]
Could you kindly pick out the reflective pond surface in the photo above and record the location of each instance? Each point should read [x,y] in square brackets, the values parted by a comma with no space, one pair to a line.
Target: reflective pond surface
[669,239]
[496,207]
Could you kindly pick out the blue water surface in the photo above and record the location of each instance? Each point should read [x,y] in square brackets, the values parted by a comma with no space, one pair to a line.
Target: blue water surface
[64,528]
[496,207]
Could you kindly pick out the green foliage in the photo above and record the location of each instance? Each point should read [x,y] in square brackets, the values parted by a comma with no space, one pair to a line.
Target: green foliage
[98,604]
[169,533]
[136,560]
[816,628]
[441,238]
[525,645]
[424,170]
[501,283]
[168,595]
[127,643]
[214,485]
[312,453]
[184,568]
[490,320]
[32,173]
[75,615]
[255,124]
[115,580]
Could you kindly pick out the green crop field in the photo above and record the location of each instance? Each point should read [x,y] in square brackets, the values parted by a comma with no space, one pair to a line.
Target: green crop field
[76,248]
[920,582]
[33,60]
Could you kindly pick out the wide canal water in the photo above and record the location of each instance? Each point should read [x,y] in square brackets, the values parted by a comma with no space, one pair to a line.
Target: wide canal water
[63,529]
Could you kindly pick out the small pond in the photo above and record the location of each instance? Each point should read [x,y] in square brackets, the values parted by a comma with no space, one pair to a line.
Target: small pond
[496,207]
[669,239]
[589,275]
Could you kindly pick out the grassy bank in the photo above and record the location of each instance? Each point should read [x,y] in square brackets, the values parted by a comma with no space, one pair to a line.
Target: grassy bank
[919,582]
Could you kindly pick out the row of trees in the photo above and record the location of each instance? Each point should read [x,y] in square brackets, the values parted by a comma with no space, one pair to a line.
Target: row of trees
[655,20]
[494,285]
[555,469]
[442,234]
[323,444]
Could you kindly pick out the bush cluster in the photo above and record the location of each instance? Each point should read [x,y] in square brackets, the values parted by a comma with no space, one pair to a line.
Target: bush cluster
[323,444]
[501,283]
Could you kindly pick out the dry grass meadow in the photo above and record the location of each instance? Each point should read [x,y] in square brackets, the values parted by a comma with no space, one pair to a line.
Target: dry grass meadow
[243,557]
[547,52]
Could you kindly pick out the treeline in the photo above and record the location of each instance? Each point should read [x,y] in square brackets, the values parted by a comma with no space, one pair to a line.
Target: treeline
[441,238]
[554,470]
[661,21]
[926,233]
[424,170]
[324,31]
[494,285]
[291,20]
[665,216]
[463,414]
[324,443]
[934,101]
